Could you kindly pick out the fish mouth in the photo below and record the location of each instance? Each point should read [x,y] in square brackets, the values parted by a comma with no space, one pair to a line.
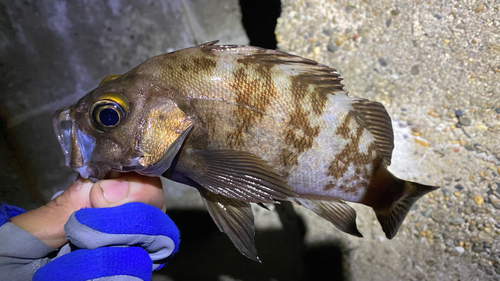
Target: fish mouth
[77,146]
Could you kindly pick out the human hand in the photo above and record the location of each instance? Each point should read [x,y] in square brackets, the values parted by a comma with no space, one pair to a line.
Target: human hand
[143,235]
[124,242]
[47,222]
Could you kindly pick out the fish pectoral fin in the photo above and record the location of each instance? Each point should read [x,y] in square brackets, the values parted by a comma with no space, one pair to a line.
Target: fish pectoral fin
[239,175]
[391,218]
[337,212]
[378,122]
[235,219]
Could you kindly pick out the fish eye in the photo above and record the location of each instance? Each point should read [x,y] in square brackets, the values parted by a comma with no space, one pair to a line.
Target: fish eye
[108,111]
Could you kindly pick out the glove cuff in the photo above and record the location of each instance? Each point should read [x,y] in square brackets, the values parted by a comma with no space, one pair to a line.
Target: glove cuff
[8,211]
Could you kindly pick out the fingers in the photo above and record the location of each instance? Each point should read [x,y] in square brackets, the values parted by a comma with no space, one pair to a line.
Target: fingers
[76,196]
[47,222]
[130,187]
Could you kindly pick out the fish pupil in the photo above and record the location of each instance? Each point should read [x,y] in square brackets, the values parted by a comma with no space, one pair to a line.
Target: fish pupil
[109,117]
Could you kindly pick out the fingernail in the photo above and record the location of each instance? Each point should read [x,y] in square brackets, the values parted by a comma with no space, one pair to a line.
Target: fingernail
[113,190]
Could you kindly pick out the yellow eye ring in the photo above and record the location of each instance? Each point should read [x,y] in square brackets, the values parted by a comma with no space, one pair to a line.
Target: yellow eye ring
[108,111]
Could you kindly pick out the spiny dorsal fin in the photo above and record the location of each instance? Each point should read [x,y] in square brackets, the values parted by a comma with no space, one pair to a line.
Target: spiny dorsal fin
[378,122]
[208,44]
[309,72]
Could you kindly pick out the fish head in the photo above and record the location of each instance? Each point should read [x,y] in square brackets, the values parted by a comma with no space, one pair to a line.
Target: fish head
[128,123]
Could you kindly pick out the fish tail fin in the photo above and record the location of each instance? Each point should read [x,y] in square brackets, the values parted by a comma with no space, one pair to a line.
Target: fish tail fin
[391,218]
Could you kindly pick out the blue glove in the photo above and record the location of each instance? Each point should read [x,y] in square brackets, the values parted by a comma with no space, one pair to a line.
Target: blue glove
[9,211]
[124,242]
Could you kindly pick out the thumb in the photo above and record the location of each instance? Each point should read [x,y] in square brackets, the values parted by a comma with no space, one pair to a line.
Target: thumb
[128,188]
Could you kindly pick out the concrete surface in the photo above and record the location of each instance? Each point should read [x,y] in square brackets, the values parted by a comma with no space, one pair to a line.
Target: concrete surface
[435,65]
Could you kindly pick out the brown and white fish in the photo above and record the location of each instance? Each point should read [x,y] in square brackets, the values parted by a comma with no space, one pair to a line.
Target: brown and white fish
[242,124]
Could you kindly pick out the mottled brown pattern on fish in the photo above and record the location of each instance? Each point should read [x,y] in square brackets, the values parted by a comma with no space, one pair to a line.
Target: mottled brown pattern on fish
[350,155]
[319,102]
[204,64]
[184,67]
[253,95]
[299,119]
[344,129]
[301,93]
[287,158]
[299,132]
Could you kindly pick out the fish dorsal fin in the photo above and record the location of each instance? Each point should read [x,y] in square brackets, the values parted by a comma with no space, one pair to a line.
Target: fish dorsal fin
[378,122]
[308,72]
[208,44]
[239,175]
[235,219]
[336,212]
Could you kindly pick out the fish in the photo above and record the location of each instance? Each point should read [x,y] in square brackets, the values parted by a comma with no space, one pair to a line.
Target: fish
[242,125]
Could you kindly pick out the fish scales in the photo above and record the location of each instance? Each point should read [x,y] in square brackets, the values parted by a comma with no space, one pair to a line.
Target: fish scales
[265,106]
[242,124]
[263,109]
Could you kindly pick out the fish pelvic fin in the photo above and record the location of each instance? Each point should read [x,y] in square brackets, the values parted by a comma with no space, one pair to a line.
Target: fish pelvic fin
[391,218]
[235,219]
[337,212]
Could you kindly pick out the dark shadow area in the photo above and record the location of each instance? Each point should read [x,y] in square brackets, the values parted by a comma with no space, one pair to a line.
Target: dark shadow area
[259,20]
[206,254]
[17,173]
[324,262]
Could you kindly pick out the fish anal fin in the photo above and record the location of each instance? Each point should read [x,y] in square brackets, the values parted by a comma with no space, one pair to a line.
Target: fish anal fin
[391,218]
[336,212]
[235,219]
[238,175]
[378,123]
